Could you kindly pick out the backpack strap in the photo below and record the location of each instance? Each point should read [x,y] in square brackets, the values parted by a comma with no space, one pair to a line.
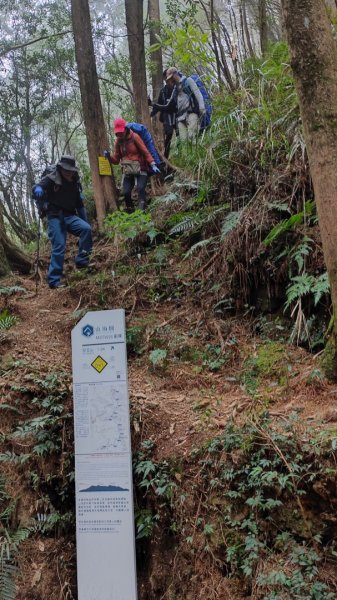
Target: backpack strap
[123,143]
[189,92]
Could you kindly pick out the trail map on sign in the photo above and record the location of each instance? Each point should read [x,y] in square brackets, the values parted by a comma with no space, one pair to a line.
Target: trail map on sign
[102,419]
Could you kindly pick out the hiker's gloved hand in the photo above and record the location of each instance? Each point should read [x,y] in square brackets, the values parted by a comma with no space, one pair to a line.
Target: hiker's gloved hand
[106,154]
[154,168]
[149,101]
[38,192]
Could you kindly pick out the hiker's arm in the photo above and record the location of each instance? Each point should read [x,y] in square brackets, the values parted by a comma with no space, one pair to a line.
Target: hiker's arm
[169,106]
[40,195]
[45,184]
[115,158]
[160,100]
[197,94]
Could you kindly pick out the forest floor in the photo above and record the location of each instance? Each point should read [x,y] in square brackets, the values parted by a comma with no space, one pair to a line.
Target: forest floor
[177,405]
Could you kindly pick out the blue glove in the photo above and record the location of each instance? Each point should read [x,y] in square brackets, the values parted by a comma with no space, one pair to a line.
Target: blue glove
[155,168]
[38,192]
[106,154]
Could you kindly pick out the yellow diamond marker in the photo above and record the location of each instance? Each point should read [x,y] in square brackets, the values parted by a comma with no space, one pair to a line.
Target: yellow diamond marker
[99,364]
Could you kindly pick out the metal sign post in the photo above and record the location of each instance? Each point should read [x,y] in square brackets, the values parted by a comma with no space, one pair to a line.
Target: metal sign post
[106,567]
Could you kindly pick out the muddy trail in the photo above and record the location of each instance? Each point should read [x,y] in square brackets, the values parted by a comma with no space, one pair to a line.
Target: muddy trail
[211,373]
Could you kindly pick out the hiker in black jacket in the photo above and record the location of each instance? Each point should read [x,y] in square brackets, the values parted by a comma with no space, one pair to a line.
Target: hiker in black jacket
[59,197]
[168,117]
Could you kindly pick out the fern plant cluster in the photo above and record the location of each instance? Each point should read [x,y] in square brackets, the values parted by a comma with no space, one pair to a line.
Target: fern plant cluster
[36,444]
[249,505]
[248,221]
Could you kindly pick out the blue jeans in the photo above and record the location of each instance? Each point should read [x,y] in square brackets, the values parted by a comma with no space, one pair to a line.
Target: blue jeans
[58,227]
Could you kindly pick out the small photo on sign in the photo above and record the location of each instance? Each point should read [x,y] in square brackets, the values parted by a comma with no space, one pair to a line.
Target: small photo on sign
[104,166]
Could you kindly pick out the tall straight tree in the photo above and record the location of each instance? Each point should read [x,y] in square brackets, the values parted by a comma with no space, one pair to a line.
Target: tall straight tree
[314,63]
[157,58]
[135,31]
[105,191]
[263,26]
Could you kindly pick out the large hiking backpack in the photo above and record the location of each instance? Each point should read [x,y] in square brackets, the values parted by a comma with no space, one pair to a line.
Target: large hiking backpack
[48,169]
[206,119]
[147,138]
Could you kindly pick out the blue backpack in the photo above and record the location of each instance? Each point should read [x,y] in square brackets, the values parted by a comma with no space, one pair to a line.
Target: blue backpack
[206,120]
[146,136]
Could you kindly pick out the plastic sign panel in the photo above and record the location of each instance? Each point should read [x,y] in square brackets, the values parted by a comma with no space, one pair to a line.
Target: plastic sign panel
[104,166]
[106,567]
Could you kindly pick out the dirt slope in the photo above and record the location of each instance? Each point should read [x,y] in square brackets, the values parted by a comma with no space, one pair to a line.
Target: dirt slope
[177,405]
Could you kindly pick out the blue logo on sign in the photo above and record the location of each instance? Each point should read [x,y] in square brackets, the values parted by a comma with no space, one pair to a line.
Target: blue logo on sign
[87,330]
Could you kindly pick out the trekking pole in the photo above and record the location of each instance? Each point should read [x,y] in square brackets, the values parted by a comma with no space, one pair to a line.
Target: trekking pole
[37,262]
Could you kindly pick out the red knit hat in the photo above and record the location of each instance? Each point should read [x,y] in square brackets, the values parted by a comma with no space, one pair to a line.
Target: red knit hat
[119,125]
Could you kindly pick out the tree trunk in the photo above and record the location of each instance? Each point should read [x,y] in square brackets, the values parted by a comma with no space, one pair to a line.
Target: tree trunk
[11,257]
[263,26]
[105,191]
[135,31]
[246,30]
[314,63]
[157,67]
[156,57]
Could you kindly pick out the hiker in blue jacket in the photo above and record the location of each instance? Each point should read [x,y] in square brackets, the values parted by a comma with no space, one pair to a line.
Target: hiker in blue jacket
[190,103]
[59,196]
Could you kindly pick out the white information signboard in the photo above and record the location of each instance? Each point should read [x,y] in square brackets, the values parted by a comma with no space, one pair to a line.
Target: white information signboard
[106,568]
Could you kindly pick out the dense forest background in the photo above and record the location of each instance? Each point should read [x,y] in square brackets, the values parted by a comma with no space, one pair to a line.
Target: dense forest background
[227,280]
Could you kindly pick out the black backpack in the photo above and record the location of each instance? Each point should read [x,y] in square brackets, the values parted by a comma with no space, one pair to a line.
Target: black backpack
[48,169]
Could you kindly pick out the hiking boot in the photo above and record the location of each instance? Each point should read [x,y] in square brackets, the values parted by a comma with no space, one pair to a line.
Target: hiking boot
[90,265]
[57,286]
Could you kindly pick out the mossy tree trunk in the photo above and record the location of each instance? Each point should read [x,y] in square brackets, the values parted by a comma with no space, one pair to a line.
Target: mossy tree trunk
[11,257]
[314,63]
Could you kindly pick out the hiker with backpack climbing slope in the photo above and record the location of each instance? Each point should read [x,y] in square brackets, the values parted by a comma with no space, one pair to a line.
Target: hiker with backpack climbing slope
[167,117]
[59,197]
[190,103]
[135,159]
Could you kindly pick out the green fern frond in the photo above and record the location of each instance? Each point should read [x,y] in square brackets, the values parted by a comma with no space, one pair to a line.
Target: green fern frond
[230,222]
[166,199]
[321,287]
[14,458]
[287,224]
[199,245]
[18,536]
[9,543]
[301,251]
[8,572]
[7,320]
[187,185]
[185,225]
[301,285]
[9,291]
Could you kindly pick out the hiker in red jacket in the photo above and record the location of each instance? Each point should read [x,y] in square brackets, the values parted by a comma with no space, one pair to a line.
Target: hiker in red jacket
[135,159]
